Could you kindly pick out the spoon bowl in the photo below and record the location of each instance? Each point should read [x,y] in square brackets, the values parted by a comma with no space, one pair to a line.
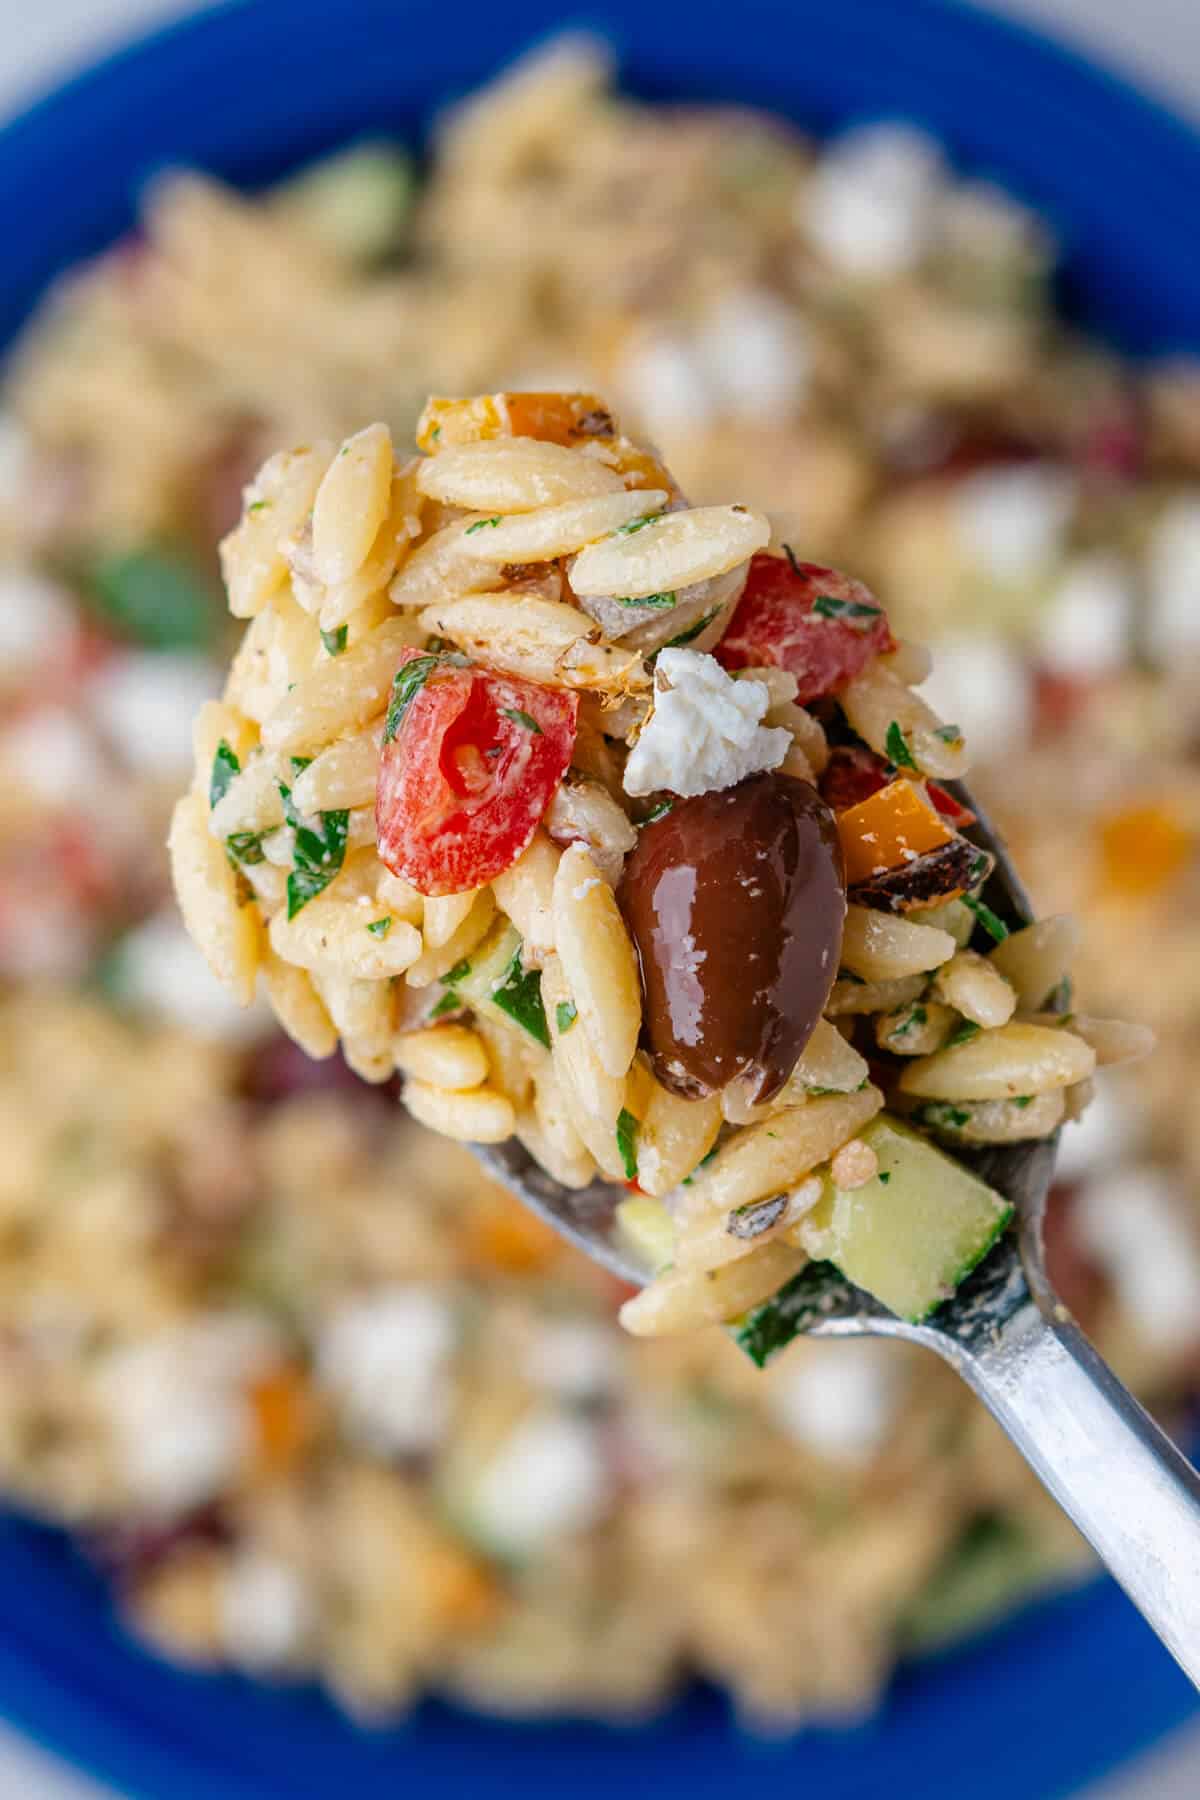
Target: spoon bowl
[1118,1476]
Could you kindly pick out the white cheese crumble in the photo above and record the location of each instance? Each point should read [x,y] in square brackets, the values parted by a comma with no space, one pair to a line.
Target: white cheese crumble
[756,355]
[1085,627]
[52,754]
[158,969]
[266,1612]
[1011,522]
[385,1358]
[548,1478]
[840,1400]
[1133,1222]
[662,380]
[37,623]
[870,206]
[1173,581]
[179,1408]
[573,1358]
[705,731]
[1102,1136]
[982,684]
[145,702]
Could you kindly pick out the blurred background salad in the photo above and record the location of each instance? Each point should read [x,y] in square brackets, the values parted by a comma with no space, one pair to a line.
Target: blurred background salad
[263,1392]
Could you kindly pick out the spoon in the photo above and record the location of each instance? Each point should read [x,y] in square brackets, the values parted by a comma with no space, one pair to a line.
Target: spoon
[1113,1471]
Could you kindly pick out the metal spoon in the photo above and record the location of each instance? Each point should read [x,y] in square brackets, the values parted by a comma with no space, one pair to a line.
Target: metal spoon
[1115,1473]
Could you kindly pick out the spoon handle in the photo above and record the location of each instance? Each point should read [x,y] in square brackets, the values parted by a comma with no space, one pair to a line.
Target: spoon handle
[1114,1472]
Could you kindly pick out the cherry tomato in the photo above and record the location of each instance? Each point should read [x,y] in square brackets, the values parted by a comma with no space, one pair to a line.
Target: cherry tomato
[471,766]
[822,626]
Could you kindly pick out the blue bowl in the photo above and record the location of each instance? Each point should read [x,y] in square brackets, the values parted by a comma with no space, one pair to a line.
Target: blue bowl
[1072,1687]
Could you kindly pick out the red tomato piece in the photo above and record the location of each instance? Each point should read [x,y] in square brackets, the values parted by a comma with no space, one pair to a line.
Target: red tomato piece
[952,810]
[471,769]
[822,626]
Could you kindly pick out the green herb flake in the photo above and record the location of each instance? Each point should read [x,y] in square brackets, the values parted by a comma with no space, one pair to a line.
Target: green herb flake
[448,1003]
[483,525]
[996,929]
[963,1035]
[639,524]
[380,927]
[319,853]
[949,734]
[224,767]
[1062,995]
[245,847]
[299,764]
[565,1015]
[435,434]
[458,973]
[791,556]
[407,683]
[520,996]
[257,506]
[335,641]
[943,1116]
[627,1131]
[897,748]
[657,602]
[693,631]
[157,597]
[522,718]
[658,811]
[917,1015]
[885,1175]
[1022,1101]
[856,613]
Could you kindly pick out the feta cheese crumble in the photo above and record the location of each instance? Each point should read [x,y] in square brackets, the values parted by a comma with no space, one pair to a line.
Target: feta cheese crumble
[840,1400]
[145,702]
[547,1479]
[871,206]
[1011,522]
[1086,626]
[1133,1222]
[986,684]
[265,1611]
[705,731]
[385,1359]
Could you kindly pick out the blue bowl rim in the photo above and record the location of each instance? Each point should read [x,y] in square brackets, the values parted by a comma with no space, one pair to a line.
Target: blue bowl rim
[51,1688]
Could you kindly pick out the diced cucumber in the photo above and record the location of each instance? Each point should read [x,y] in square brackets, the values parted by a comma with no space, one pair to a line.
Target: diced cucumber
[359,203]
[647,1226]
[494,982]
[914,1232]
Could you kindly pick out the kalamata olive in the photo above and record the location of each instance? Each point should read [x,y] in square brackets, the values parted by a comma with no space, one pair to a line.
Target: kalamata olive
[736,901]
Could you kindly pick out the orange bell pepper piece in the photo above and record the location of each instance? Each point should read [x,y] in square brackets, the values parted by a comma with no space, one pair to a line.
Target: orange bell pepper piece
[1143,849]
[890,827]
[556,418]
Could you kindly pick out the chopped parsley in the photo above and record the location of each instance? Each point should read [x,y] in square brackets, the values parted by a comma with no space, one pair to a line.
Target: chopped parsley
[448,1003]
[380,927]
[949,734]
[943,1117]
[1022,1100]
[157,597]
[856,613]
[692,632]
[458,973]
[917,1015]
[335,641]
[897,748]
[483,525]
[407,683]
[1062,995]
[224,767]
[658,602]
[257,506]
[520,996]
[996,929]
[658,811]
[435,434]
[522,718]
[245,847]
[627,1131]
[885,1175]
[702,1164]
[638,524]
[963,1035]
[319,852]
[565,1015]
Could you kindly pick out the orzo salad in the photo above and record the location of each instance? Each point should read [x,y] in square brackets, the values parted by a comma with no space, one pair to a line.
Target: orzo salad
[613,829]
